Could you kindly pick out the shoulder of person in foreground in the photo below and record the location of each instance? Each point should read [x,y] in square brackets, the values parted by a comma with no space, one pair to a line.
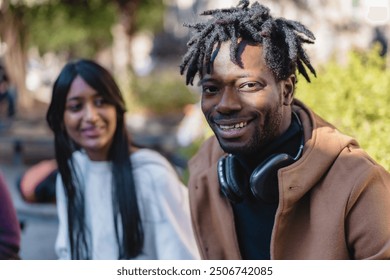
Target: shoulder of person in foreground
[368,208]
[364,186]
[9,225]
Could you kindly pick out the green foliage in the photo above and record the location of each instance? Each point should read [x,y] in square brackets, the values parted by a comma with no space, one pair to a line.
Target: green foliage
[162,92]
[150,15]
[79,29]
[188,152]
[355,97]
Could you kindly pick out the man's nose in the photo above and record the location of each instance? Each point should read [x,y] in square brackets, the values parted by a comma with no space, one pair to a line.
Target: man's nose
[229,102]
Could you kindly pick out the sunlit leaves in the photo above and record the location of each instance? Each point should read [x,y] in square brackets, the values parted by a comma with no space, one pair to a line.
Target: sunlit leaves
[356,98]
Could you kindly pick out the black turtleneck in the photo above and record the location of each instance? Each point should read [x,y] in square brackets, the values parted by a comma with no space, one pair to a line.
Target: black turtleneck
[254,219]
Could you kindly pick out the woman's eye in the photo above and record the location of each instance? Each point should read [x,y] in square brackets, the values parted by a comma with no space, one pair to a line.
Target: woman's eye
[251,86]
[74,107]
[100,102]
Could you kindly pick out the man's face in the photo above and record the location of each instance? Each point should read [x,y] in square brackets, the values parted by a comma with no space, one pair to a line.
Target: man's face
[245,107]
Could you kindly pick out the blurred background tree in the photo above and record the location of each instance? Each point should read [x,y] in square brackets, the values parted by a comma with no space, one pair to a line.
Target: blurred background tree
[69,28]
[141,42]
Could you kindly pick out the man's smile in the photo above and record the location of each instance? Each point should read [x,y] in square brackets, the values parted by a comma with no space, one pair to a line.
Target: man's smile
[232,126]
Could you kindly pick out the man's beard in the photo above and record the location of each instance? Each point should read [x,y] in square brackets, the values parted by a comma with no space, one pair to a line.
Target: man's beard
[261,138]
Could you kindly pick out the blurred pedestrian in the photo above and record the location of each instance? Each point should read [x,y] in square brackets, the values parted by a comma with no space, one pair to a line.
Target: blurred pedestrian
[7,93]
[37,183]
[9,225]
[114,202]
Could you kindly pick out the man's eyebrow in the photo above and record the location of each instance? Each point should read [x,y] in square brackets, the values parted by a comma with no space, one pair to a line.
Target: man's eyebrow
[244,76]
[204,80]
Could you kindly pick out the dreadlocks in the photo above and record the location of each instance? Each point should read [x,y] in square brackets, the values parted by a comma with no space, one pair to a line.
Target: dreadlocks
[281,40]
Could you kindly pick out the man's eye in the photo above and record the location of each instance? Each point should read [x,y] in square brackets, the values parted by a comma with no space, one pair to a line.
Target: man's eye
[251,86]
[209,89]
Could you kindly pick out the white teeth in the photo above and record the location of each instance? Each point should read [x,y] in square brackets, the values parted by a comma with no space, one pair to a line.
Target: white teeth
[225,127]
[233,126]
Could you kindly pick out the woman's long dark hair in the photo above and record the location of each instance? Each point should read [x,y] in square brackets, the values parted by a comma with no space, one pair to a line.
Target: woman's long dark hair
[126,211]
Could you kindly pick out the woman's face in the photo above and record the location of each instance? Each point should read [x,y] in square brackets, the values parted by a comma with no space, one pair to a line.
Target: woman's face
[89,119]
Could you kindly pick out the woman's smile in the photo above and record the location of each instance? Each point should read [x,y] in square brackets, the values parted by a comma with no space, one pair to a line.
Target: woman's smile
[92,131]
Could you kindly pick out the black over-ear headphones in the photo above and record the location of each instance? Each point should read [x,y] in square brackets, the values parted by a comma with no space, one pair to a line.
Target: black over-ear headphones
[234,183]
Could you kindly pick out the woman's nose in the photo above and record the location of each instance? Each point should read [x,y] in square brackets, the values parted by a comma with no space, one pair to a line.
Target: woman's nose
[91,113]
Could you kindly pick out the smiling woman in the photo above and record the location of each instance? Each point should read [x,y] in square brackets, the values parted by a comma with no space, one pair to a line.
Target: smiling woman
[114,200]
[89,119]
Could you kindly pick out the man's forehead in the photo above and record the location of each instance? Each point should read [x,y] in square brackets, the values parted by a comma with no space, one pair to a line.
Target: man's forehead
[223,50]
[249,63]
[253,53]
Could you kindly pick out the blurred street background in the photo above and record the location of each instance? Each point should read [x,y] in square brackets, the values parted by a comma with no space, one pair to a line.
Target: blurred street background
[141,43]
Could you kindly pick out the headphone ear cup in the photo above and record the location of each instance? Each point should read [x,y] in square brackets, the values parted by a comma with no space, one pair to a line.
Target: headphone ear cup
[231,178]
[264,179]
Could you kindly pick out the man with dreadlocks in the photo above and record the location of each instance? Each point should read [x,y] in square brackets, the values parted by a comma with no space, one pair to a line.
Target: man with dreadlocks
[276,181]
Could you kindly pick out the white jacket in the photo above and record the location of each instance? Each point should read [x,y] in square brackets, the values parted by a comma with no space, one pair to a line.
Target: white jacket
[162,201]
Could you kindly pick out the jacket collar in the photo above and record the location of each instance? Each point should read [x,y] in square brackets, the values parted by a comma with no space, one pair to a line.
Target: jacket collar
[323,144]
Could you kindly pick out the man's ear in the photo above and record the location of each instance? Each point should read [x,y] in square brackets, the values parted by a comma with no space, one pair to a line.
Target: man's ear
[288,89]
